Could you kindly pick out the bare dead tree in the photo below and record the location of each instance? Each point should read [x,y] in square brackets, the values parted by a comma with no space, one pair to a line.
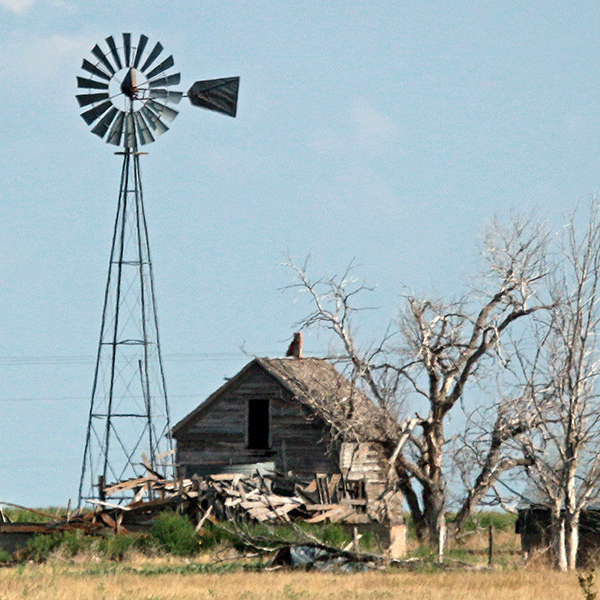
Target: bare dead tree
[424,363]
[562,378]
[485,451]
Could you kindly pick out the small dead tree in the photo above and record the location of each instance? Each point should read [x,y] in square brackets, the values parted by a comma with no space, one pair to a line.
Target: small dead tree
[562,379]
[423,365]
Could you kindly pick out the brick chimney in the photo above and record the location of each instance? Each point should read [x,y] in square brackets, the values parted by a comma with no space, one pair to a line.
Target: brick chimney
[295,349]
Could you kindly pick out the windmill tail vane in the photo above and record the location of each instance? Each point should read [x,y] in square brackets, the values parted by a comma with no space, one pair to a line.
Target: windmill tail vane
[127,97]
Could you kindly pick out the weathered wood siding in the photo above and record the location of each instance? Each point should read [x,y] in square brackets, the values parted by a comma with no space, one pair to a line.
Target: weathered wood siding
[298,441]
[366,462]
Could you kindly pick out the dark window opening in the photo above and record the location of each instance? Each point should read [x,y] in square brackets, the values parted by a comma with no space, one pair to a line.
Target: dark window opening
[258,424]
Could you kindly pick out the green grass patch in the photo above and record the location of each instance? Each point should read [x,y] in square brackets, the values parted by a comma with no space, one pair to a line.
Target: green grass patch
[21,515]
[5,557]
[175,534]
[246,536]
[71,543]
[192,568]
[41,546]
[117,546]
[501,521]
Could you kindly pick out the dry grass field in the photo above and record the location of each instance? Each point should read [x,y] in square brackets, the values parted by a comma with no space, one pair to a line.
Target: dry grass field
[157,581]
[90,575]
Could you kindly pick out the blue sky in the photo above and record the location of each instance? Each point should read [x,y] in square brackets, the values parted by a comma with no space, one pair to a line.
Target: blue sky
[380,131]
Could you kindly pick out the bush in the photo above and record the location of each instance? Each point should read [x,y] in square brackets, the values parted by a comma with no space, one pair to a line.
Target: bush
[500,521]
[175,534]
[115,547]
[40,546]
[70,543]
[5,556]
[74,542]
[242,536]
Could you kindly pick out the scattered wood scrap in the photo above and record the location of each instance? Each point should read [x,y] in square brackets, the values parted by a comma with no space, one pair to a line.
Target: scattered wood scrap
[236,496]
[133,504]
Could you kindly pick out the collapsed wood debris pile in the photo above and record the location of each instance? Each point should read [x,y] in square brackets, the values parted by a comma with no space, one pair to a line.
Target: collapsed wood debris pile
[133,504]
[229,496]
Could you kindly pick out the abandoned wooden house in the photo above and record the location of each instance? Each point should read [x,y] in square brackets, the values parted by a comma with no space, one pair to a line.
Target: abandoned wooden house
[264,419]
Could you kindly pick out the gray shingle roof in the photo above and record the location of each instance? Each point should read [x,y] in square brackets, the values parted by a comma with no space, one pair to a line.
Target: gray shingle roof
[316,383]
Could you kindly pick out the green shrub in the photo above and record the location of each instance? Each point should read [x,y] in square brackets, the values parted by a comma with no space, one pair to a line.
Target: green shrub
[242,536]
[40,546]
[74,542]
[5,556]
[71,543]
[213,535]
[175,534]
[335,534]
[116,546]
[500,521]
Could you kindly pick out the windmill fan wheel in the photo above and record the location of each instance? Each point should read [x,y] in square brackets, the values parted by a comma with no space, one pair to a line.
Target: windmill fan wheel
[127,95]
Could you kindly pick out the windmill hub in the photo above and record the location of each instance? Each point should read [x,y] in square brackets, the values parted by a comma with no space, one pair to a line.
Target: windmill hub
[129,86]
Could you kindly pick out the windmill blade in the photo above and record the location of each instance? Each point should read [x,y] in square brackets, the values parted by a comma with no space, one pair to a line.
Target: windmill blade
[97,52]
[152,57]
[219,95]
[113,50]
[102,126]
[127,48]
[83,82]
[140,50]
[163,66]
[174,97]
[168,80]
[116,131]
[91,115]
[85,99]
[143,132]
[153,120]
[163,111]
[94,70]
[129,139]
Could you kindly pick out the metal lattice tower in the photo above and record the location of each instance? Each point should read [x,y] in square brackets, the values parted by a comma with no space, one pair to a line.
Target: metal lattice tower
[128,99]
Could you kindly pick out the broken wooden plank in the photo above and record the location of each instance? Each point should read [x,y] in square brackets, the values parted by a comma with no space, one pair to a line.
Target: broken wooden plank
[128,484]
[333,485]
[311,487]
[203,519]
[226,476]
[108,504]
[335,515]
[108,520]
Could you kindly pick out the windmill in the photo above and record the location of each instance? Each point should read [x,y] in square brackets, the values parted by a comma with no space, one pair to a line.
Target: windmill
[127,100]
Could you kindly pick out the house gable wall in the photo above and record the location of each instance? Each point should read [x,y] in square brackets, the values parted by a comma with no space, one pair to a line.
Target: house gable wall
[218,437]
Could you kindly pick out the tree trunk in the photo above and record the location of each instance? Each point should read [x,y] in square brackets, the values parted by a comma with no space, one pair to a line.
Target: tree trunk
[434,490]
[572,540]
[571,512]
[557,532]
[412,500]
[435,518]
